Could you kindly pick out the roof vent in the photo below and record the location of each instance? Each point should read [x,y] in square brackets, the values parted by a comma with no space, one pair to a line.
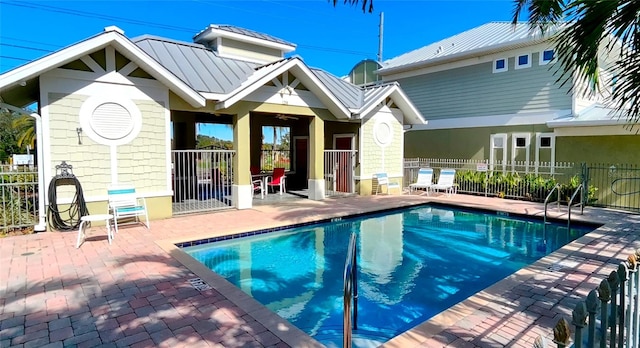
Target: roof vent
[113,28]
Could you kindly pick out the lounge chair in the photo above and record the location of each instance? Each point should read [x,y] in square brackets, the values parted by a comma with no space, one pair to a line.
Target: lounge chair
[383,180]
[425,180]
[276,180]
[445,182]
[124,203]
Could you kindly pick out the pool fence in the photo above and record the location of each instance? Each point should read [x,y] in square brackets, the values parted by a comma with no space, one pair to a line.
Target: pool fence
[608,317]
[201,180]
[19,192]
[607,185]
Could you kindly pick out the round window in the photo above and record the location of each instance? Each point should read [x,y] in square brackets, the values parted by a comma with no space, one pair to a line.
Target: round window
[382,133]
[110,120]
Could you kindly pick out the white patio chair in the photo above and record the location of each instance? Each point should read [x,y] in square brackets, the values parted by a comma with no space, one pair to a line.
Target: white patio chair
[124,203]
[383,180]
[425,180]
[446,182]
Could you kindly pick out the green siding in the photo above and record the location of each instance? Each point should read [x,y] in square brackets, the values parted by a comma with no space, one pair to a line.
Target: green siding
[476,91]
[599,149]
[467,143]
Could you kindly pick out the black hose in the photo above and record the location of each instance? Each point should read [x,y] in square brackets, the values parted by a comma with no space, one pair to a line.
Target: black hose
[76,210]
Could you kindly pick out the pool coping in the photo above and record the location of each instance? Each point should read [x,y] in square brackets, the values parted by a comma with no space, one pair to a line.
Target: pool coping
[419,334]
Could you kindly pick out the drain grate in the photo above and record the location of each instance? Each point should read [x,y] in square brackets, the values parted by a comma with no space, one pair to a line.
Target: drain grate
[199,284]
[562,265]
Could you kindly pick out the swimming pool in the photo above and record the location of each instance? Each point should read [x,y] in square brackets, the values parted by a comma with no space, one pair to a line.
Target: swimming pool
[413,264]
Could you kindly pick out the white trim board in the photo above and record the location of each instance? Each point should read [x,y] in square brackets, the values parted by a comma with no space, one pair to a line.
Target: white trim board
[492,121]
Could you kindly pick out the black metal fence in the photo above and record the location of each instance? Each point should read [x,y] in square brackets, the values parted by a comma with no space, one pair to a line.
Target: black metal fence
[616,185]
[606,185]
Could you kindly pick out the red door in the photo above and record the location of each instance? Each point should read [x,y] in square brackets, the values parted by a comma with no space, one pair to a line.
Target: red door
[343,169]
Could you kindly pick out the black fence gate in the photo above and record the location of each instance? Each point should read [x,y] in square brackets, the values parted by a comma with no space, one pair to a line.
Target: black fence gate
[615,185]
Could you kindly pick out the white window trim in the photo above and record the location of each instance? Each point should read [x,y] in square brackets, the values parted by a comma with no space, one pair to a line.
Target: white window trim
[523,66]
[93,102]
[514,147]
[552,148]
[545,62]
[506,65]
[492,147]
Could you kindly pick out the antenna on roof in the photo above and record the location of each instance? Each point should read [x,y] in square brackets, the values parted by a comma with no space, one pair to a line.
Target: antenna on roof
[380,37]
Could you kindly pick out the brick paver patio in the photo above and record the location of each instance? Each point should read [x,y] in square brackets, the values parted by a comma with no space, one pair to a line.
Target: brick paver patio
[136,293]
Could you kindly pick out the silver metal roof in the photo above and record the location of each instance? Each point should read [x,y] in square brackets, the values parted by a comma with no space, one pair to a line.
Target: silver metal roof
[487,37]
[349,94]
[197,65]
[373,93]
[204,71]
[246,32]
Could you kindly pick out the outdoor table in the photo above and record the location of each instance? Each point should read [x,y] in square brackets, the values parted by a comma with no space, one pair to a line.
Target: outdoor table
[89,218]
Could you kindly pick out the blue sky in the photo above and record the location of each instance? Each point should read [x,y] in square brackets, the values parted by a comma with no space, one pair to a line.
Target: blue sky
[328,37]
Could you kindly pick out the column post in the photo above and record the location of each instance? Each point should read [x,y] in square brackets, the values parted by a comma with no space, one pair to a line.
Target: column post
[316,159]
[242,189]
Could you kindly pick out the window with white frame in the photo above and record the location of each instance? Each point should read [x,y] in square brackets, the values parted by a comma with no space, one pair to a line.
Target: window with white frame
[523,61]
[546,145]
[500,65]
[498,151]
[547,56]
[520,149]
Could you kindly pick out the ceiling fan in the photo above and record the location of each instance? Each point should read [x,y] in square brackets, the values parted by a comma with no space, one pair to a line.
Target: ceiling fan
[285,117]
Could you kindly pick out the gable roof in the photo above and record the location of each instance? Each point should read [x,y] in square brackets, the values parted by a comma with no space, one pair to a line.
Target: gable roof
[196,74]
[112,36]
[197,65]
[296,66]
[229,80]
[487,38]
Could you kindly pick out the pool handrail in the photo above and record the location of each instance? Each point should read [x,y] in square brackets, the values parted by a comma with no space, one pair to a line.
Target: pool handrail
[581,204]
[350,291]
[546,200]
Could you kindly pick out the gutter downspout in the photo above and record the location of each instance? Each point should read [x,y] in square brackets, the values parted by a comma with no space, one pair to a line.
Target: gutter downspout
[41,226]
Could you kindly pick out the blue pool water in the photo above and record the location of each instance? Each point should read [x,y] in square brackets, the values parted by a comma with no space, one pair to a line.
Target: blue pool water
[413,264]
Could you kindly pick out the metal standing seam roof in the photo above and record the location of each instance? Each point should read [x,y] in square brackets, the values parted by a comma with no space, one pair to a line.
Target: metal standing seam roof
[197,65]
[373,93]
[484,37]
[204,71]
[349,94]
[246,32]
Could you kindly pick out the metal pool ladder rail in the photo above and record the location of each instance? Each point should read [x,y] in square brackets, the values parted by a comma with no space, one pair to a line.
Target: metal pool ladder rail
[350,291]
[581,204]
[546,200]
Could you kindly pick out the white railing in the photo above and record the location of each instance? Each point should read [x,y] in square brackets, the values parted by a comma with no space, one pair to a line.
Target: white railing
[19,194]
[339,172]
[202,180]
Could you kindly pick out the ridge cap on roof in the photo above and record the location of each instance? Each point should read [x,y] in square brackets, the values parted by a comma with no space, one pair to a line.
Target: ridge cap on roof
[375,85]
[254,33]
[144,37]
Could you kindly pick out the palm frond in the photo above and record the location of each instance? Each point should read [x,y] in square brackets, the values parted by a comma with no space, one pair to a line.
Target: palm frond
[365,4]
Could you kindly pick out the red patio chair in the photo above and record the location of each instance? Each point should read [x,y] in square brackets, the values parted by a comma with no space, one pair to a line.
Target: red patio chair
[276,180]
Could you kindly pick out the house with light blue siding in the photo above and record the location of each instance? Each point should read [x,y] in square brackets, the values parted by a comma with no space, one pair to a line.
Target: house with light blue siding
[493,92]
